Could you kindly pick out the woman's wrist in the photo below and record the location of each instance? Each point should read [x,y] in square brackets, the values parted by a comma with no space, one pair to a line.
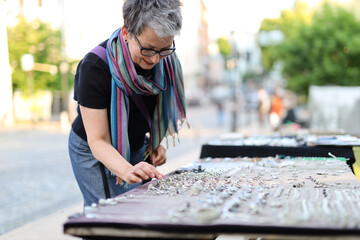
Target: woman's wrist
[122,168]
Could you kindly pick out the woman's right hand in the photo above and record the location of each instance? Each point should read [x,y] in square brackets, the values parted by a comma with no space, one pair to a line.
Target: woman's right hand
[141,171]
[99,139]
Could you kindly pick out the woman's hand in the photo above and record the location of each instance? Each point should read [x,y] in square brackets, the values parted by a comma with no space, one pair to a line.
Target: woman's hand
[98,134]
[141,171]
[145,171]
[158,157]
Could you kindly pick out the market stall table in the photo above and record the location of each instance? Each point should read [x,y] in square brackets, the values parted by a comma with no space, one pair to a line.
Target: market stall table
[282,198]
[265,146]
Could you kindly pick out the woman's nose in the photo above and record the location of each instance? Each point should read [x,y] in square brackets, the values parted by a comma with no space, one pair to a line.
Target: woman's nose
[155,59]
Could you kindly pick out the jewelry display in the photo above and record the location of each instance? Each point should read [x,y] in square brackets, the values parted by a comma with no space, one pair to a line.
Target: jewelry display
[266,191]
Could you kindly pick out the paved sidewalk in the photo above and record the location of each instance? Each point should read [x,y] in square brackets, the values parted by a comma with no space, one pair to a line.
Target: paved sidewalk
[46,228]
[36,178]
[51,227]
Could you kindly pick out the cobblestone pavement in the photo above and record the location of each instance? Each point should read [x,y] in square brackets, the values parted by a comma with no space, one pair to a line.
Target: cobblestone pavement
[35,176]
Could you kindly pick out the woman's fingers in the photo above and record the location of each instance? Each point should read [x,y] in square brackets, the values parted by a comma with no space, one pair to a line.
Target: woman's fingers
[158,175]
[145,171]
[134,179]
[155,171]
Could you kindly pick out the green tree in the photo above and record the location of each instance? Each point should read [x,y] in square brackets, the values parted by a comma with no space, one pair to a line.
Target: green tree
[327,51]
[224,47]
[322,50]
[289,20]
[44,43]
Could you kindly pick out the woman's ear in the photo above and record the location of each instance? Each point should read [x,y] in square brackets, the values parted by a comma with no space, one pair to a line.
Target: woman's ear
[125,34]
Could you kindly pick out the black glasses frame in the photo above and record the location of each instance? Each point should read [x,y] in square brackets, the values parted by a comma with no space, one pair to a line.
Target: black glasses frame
[153,52]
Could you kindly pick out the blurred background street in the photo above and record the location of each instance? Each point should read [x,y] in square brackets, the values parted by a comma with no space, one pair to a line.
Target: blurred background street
[35,175]
[250,67]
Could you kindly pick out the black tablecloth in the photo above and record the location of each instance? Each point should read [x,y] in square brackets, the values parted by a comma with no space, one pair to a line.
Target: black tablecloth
[221,151]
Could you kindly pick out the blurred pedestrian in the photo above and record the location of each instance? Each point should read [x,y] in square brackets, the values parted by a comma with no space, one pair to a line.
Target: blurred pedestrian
[264,106]
[276,111]
[220,113]
[139,91]
[290,103]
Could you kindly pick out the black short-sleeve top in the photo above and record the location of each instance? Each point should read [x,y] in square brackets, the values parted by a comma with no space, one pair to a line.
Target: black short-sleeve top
[92,89]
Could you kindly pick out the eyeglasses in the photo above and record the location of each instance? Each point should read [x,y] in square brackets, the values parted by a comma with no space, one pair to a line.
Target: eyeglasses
[148,52]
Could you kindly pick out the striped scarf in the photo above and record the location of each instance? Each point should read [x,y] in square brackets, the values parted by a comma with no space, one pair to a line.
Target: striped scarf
[167,84]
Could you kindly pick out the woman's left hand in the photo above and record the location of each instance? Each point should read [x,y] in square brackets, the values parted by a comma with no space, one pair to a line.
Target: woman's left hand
[158,157]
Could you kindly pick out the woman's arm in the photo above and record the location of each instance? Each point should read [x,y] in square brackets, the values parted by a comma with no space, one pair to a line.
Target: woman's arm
[98,137]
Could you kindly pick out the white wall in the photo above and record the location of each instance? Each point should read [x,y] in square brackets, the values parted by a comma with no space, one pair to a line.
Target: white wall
[335,107]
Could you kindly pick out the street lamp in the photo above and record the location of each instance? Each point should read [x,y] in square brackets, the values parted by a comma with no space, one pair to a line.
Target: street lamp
[232,66]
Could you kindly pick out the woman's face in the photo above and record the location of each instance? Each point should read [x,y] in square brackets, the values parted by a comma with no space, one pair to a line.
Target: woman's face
[147,39]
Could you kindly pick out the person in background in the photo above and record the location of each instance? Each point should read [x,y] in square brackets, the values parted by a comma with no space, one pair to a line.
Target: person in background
[290,104]
[264,106]
[276,110]
[129,102]
[220,113]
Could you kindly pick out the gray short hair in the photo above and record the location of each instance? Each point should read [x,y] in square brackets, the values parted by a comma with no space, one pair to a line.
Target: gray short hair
[163,16]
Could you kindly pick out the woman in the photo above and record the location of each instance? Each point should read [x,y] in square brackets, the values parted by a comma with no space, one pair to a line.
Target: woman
[138,91]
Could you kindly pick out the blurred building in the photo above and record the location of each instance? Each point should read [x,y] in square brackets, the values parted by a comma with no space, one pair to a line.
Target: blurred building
[193,50]
[248,52]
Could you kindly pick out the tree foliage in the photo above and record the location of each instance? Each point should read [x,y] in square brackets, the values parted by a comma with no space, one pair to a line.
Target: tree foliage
[286,23]
[224,47]
[44,43]
[318,49]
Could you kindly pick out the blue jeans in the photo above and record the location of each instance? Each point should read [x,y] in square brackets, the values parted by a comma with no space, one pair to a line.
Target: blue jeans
[87,171]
